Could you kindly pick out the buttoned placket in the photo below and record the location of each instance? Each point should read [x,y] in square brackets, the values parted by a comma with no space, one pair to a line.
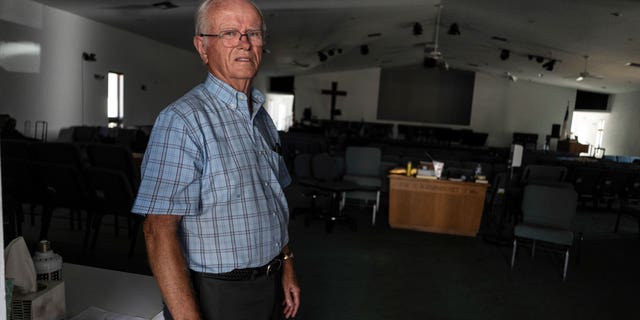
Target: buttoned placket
[257,138]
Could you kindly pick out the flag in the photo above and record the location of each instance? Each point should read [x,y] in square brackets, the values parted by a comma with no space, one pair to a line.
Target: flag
[564,129]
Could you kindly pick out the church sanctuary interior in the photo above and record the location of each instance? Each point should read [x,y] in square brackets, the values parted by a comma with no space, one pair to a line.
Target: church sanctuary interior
[451,159]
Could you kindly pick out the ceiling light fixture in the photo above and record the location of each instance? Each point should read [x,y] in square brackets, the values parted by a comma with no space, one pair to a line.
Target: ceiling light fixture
[454,29]
[364,49]
[417,29]
[549,65]
[322,56]
[504,54]
[86,56]
[539,59]
[429,62]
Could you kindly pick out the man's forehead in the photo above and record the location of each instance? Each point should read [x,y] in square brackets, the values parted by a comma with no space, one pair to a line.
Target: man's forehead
[232,13]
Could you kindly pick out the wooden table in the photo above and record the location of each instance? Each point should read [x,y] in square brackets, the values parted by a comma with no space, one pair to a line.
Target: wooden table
[441,206]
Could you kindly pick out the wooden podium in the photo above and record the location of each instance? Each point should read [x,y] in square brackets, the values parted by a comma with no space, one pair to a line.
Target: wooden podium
[572,146]
[436,205]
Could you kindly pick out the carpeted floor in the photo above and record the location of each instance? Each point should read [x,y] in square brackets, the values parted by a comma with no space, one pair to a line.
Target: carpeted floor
[382,273]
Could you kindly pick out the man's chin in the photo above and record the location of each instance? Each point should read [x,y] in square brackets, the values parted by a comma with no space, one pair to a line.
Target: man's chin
[244,74]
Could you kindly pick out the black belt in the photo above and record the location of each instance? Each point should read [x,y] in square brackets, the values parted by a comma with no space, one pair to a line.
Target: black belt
[246,274]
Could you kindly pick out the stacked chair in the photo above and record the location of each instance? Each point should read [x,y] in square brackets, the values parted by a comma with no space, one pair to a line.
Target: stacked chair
[17,188]
[113,178]
[95,179]
[630,201]
[57,170]
[585,181]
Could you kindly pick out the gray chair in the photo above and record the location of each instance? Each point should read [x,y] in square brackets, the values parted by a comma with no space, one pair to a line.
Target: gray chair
[630,201]
[548,211]
[327,174]
[543,173]
[363,167]
[301,196]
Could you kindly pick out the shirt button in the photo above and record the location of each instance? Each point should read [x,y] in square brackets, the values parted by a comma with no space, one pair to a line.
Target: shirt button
[266,184]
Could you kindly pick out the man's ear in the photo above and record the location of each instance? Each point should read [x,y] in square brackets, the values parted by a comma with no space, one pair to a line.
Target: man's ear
[199,43]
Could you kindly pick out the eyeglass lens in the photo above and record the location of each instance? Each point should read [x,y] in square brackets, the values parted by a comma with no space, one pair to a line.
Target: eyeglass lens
[233,38]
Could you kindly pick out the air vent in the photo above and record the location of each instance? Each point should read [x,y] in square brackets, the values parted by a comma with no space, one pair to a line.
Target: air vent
[499,38]
[374,35]
[633,64]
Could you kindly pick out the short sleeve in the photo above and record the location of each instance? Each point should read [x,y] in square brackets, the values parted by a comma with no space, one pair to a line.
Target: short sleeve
[171,169]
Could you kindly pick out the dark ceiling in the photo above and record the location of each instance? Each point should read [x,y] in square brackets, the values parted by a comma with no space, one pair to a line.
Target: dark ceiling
[503,38]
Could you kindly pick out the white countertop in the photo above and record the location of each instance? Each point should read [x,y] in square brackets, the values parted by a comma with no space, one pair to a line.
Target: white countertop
[113,291]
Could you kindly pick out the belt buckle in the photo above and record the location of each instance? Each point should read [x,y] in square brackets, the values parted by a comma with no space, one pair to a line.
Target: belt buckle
[272,266]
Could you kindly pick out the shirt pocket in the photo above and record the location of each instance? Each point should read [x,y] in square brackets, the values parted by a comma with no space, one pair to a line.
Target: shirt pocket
[279,167]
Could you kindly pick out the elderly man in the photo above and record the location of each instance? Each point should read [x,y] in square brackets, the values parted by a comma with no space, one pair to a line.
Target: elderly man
[212,184]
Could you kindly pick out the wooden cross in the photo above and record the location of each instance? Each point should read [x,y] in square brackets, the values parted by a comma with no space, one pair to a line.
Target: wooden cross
[334,93]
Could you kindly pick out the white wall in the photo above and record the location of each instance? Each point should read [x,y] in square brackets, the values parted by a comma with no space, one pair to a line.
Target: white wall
[361,101]
[500,107]
[55,94]
[622,130]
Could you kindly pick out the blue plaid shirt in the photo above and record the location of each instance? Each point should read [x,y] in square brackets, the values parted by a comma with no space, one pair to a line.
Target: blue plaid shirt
[211,162]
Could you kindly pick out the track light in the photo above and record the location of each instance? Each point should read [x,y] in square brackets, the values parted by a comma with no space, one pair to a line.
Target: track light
[429,62]
[322,56]
[86,56]
[539,59]
[330,52]
[549,65]
[364,49]
[454,30]
[417,29]
[504,54]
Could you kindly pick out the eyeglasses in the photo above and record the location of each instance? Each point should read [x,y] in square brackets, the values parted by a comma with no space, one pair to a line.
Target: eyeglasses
[231,38]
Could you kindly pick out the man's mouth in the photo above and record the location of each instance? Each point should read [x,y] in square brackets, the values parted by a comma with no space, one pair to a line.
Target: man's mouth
[243,59]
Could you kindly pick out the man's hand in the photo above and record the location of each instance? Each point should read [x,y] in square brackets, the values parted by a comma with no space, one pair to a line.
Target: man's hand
[291,289]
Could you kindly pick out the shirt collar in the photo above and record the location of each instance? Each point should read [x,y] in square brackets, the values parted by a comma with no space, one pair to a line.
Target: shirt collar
[232,97]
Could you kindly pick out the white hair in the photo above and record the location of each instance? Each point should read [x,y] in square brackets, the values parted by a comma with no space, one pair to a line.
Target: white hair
[202,18]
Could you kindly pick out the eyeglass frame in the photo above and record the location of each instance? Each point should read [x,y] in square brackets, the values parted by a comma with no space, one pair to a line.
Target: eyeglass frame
[246,34]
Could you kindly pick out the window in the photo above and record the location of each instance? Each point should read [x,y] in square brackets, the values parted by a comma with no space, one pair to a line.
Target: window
[280,108]
[115,99]
[588,128]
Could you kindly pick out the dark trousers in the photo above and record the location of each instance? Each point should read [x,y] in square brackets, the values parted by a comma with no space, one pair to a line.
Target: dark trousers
[254,299]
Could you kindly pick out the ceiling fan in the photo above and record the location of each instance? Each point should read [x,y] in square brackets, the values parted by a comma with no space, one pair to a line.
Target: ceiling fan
[585,74]
[433,55]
